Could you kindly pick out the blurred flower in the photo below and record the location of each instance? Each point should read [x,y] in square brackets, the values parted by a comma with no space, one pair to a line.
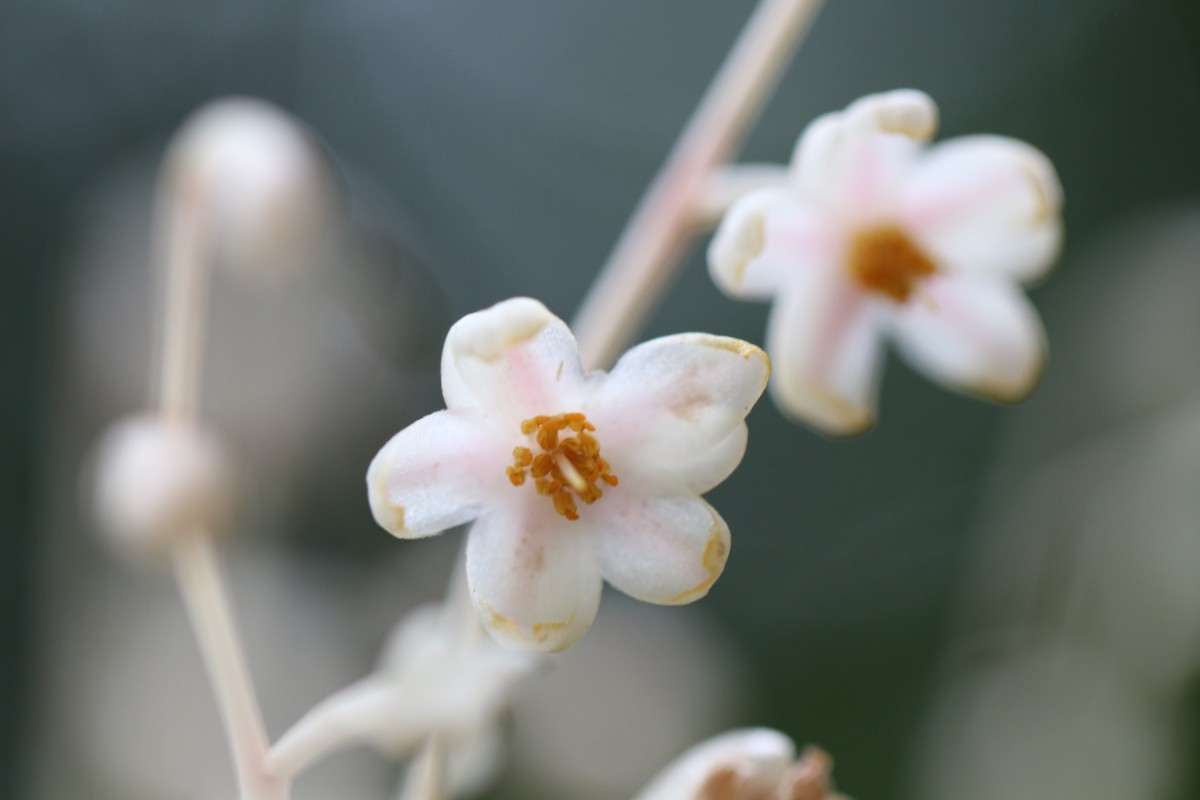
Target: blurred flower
[879,236]
[440,677]
[259,181]
[753,764]
[527,437]
[157,481]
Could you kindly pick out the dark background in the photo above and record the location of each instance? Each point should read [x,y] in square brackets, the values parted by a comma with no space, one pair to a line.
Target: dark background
[514,138]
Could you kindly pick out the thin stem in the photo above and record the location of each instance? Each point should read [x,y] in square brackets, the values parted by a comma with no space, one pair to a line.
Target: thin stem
[726,185]
[199,576]
[343,718]
[426,775]
[183,217]
[185,302]
[650,249]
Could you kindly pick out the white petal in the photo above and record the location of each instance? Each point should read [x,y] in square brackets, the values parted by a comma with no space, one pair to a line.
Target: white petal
[826,348]
[533,576]
[667,550]
[765,236]
[975,335]
[759,756]
[903,112]
[824,154]
[703,471]
[510,362]
[673,399]
[441,471]
[986,205]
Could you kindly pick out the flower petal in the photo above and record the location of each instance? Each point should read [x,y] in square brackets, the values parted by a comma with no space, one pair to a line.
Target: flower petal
[757,758]
[510,362]
[765,236]
[704,471]
[533,576]
[672,399]
[828,151]
[436,473]
[974,335]
[823,336]
[667,550]
[987,205]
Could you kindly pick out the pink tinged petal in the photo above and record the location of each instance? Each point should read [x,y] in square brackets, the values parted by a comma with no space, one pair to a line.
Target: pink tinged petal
[441,471]
[534,578]
[667,550]
[511,362]
[824,154]
[672,400]
[876,171]
[987,205]
[765,236]
[826,347]
[975,335]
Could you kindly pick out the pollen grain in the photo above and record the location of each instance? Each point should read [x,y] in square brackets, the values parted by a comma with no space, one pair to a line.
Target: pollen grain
[567,467]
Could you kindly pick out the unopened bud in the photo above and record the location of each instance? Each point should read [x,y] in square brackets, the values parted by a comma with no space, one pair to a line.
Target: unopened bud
[157,481]
[257,178]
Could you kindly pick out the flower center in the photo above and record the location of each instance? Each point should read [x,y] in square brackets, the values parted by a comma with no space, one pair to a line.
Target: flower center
[885,260]
[564,465]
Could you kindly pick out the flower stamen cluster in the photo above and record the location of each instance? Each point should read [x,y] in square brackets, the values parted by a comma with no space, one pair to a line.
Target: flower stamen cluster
[885,260]
[564,465]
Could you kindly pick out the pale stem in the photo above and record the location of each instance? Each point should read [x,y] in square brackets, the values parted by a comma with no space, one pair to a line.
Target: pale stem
[343,718]
[426,775]
[651,247]
[199,576]
[185,302]
[185,251]
[728,184]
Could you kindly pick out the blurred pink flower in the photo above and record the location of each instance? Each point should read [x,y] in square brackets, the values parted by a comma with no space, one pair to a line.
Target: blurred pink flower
[878,235]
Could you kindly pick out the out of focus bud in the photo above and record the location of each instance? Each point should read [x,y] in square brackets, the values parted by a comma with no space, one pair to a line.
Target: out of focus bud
[258,180]
[157,482]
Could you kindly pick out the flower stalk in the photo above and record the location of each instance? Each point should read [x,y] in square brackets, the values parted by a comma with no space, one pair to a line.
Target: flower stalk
[649,251]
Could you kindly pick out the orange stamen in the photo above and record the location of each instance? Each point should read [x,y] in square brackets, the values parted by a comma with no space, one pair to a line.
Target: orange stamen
[885,260]
[564,465]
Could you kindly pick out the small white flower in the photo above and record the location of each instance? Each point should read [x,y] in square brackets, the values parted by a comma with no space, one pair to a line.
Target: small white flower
[751,764]
[440,678]
[880,236]
[572,477]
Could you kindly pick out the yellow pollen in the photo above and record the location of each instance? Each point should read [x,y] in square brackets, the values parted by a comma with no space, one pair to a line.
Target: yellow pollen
[566,464]
[885,260]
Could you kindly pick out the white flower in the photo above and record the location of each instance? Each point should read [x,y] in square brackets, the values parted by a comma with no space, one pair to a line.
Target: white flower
[572,477]
[440,678]
[751,764]
[880,236]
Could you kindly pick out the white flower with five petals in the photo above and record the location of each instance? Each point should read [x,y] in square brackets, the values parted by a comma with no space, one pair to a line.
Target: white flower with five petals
[879,235]
[572,478]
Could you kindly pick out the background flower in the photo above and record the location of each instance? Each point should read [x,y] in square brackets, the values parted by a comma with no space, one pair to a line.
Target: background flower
[880,237]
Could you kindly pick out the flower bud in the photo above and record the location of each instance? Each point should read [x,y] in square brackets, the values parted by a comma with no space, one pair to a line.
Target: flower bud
[255,175]
[157,482]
